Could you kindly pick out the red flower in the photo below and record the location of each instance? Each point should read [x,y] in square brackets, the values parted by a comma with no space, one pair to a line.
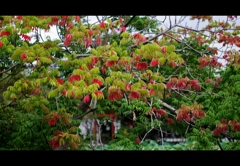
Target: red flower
[23,56]
[134,95]
[74,78]
[1,44]
[102,24]
[86,99]
[154,62]
[141,65]
[97,81]
[4,33]
[60,81]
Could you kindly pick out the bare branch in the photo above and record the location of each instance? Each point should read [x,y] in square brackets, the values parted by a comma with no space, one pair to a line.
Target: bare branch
[127,23]
[170,22]
[200,53]
[146,135]
[82,55]
[9,68]
[193,30]
[168,106]
[98,19]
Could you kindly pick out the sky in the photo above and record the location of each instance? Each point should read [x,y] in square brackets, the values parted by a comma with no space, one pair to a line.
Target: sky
[190,23]
[92,19]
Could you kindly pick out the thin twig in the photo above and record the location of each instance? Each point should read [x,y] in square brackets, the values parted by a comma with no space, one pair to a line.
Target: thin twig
[9,68]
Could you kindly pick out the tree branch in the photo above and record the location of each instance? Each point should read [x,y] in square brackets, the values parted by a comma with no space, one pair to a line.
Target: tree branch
[9,68]
[126,24]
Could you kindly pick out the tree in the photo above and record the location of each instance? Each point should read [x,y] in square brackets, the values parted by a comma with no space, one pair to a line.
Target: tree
[159,77]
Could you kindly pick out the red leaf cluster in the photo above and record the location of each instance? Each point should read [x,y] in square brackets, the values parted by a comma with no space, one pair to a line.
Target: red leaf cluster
[164,49]
[235,125]
[141,66]
[138,140]
[110,63]
[154,62]
[97,81]
[90,33]
[23,56]
[25,37]
[128,87]
[73,78]
[194,84]
[86,99]
[54,119]
[68,38]
[198,113]
[98,41]
[4,33]
[205,61]
[114,93]
[151,92]
[170,121]
[57,132]
[98,93]
[77,18]
[60,81]
[184,116]
[102,25]
[54,142]
[221,128]
[134,95]
[139,37]
[160,113]
[122,29]
[1,44]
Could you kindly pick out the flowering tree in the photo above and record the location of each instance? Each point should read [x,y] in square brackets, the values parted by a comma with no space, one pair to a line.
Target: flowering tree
[161,77]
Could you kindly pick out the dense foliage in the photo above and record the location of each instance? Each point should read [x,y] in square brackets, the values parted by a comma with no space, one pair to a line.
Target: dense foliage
[162,77]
